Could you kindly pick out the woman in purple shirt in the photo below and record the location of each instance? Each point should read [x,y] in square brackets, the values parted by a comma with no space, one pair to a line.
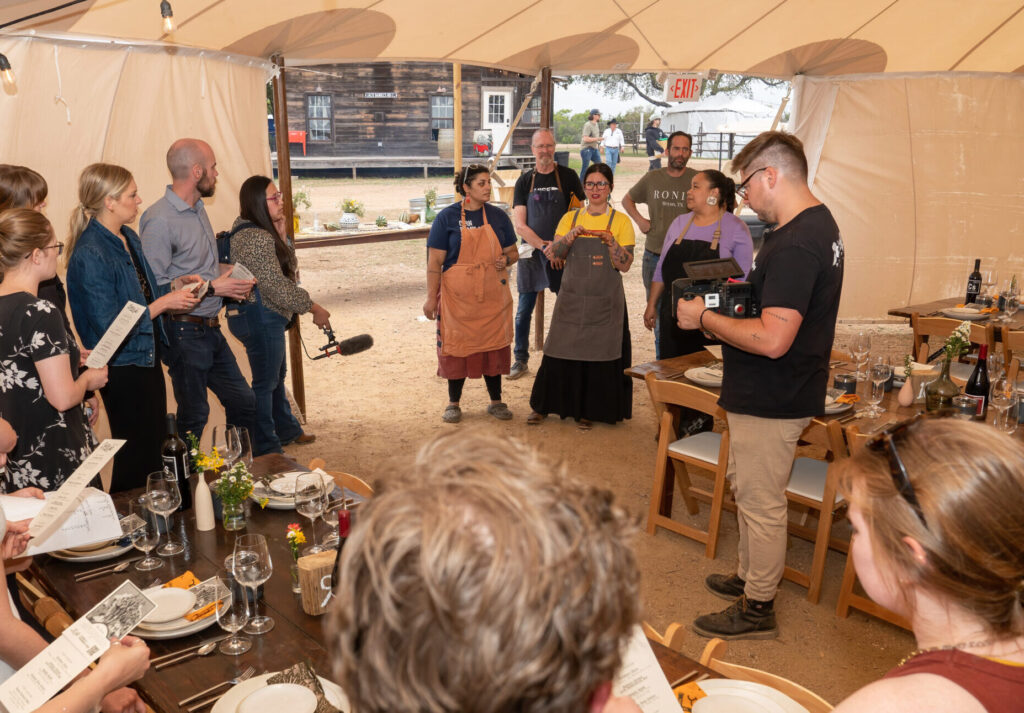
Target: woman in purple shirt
[708,232]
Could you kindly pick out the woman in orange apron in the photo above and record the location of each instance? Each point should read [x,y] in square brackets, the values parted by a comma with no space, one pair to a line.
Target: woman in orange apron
[588,346]
[470,247]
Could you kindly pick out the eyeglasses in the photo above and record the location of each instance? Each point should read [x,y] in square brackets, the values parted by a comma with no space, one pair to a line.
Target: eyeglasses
[741,190]
[543,146]
[886,442]
[593,185]
[59,246]
[276,198]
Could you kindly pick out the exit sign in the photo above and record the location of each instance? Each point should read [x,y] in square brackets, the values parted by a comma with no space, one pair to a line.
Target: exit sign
[682,87]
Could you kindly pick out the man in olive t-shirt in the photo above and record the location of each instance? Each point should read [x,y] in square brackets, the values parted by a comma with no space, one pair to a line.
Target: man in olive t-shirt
[664,192]
[590,141]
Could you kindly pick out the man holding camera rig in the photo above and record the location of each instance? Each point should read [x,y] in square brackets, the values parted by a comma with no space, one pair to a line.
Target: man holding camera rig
[775,373]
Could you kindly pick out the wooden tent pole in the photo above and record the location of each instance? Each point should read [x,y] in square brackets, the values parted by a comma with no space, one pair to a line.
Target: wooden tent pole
[457,91]
[546,111]
[284,184]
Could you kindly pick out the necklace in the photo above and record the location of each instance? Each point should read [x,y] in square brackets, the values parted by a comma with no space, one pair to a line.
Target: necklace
[948,647]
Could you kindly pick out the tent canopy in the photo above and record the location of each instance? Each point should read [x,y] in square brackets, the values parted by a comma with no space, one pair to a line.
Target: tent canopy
[778,38]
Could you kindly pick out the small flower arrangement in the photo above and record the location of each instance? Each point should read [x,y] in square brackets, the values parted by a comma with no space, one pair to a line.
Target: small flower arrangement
[959,341]
[202,461]
[430,196]
[235,485]
[351,205]
[908,366]
[295,538]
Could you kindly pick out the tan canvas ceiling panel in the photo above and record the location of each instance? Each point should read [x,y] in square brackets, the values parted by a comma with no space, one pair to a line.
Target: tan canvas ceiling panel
[334,34]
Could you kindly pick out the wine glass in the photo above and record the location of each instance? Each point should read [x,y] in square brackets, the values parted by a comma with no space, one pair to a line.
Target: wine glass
[879,372]
[147,535]
[164,498]
[860,347]
[244,446]
[225,440]
[330,517]
[232,614]
[1011,306]
[1003,398]
[996,363]
[309,502]
[988,281]
[252,567]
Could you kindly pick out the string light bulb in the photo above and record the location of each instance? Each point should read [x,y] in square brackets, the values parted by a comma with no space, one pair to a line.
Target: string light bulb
[5,70]
[168,14]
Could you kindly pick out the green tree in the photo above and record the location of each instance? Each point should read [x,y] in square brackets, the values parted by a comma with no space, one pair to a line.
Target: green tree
[647,87]
[569,126]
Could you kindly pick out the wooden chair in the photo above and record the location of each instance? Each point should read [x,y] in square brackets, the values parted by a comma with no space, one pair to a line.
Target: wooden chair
[942,327]
[45,609]
[848,595]
[345,480]
[1013,344]
[712,658]
[812,485]
[708,451]
[673,638]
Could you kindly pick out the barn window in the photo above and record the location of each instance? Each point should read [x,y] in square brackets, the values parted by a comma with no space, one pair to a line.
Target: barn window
[531,117]
[318,117]
[442,114]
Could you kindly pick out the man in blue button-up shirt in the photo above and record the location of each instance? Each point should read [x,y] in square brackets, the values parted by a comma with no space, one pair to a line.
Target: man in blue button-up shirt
[178,240]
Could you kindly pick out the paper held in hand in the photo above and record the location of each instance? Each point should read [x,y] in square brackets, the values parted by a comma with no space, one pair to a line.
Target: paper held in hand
[94,519]
[241,272]
[79,645]
[642,679]
[114,335]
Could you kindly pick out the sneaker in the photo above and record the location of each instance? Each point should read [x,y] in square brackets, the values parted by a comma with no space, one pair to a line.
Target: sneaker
[742,620]
[726,586]
[500,411]
[518,369]
[452,414]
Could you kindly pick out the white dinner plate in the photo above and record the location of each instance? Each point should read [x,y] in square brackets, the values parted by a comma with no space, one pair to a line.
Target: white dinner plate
[284,486]
[171,603]
[106,553]
[289,697]
[726,695]
[835,407]
[230,701]
[965,313]
[705,376]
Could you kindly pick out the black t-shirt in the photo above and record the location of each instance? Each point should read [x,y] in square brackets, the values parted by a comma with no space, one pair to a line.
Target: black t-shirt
[800,266]
[546,181]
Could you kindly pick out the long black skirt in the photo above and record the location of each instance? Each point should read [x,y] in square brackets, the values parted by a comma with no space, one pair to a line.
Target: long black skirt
[135,398]
[592,390]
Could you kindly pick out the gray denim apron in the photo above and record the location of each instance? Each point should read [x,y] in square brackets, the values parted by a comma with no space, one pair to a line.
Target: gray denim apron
[588,318]
[543,211]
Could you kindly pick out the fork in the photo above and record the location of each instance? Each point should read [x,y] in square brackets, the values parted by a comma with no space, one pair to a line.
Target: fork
[244,676]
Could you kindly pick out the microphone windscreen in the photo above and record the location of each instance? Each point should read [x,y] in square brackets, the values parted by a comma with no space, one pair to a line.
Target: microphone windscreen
[354,345]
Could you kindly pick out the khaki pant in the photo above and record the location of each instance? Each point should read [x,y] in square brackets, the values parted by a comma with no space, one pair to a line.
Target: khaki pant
[761,452]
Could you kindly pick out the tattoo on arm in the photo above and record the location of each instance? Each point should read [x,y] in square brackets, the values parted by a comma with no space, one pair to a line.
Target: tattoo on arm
[560,249]
[755,336]
[777,316]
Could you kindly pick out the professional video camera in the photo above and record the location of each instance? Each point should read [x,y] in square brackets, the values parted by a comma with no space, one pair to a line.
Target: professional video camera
[719,283]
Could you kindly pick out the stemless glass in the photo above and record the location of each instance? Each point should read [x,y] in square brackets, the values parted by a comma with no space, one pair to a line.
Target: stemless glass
[146,536]
[860,346]
[225,440]
[164,499]
[879,373]
[309,502]
[233,614]
[996,364]
[330,518]
[252,567]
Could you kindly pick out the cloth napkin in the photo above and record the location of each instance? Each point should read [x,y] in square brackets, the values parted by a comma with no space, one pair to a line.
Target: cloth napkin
[304,675]
[187,581]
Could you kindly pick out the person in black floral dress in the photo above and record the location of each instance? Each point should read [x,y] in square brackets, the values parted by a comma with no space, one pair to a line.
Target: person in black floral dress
[41,387]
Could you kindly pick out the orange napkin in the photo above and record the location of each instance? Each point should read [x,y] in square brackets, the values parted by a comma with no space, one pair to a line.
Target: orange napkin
[206,611]
[688,694]
[848,399]
[185,581]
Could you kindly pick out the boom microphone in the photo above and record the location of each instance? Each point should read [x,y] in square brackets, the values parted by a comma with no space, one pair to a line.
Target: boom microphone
[346,347]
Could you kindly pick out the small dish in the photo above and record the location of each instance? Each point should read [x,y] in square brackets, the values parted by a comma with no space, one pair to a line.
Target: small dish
[279,696]
[171,603]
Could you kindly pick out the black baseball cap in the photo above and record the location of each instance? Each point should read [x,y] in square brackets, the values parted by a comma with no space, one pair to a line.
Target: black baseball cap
[595,112]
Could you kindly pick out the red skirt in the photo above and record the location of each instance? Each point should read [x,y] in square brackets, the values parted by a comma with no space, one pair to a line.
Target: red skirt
[495,362]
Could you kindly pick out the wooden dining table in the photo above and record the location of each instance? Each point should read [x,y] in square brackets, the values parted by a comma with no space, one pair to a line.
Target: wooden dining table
[935,308]
[296,636]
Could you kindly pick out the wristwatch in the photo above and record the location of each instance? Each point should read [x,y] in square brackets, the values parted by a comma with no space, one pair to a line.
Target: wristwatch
[211,292]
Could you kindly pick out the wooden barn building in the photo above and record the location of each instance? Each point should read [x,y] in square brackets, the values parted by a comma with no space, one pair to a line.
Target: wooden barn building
[401,115]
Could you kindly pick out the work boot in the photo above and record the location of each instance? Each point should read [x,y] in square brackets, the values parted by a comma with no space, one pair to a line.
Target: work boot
[744,619]
[518,369]
[726,586]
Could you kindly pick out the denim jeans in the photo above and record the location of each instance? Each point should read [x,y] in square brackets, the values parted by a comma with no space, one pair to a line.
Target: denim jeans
[524,315]
[651,262]
[611,157]
[198,358]
[261,331]
[589,156]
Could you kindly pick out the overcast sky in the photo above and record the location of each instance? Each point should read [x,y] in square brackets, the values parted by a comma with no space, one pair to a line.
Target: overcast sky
[578,98]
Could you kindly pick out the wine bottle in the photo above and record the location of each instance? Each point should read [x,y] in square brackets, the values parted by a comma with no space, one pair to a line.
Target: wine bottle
[175,457]
[344,525]
[977,384]
[974,282]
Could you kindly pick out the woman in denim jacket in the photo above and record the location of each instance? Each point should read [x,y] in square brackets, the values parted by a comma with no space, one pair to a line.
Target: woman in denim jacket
[258,243]
[107,269]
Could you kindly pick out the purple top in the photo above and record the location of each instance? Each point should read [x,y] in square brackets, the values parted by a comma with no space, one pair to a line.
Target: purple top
[734,242]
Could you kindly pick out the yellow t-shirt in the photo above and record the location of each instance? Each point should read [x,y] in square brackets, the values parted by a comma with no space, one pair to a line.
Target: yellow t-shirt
[622,227]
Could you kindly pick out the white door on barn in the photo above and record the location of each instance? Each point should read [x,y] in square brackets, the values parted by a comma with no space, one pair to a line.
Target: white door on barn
[496,114]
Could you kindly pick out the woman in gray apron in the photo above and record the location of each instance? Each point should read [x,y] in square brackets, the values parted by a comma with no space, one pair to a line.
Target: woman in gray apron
[588,346]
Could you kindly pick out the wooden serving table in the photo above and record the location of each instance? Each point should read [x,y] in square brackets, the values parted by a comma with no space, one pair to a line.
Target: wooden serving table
[296,636]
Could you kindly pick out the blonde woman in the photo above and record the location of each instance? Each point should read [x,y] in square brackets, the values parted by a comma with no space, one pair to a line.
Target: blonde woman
[106,269]
[937,507]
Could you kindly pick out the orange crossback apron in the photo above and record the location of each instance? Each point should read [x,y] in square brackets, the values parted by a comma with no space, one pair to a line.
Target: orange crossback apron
[476,300]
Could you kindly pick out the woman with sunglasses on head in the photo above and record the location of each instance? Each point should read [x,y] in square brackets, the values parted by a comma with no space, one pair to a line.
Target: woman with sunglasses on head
[581,375]
[937,507]
[107,269]
[470,246]
[43,386]
[259,242]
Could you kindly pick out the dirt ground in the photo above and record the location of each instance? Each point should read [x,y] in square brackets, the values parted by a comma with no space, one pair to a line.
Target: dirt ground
[372,411]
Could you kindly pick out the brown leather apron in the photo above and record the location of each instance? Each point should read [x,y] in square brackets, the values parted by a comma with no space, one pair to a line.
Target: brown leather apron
[588,318]
[476,301]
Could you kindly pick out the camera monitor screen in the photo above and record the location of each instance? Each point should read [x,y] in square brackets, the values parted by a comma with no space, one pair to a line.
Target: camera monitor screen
[721,269]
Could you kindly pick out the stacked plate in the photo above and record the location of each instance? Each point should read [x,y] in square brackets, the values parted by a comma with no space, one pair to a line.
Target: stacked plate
[968,313]
[255,696]
[280,492]
[710,375]
[168,620]
[728,696]
[831,405]
[97,552]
